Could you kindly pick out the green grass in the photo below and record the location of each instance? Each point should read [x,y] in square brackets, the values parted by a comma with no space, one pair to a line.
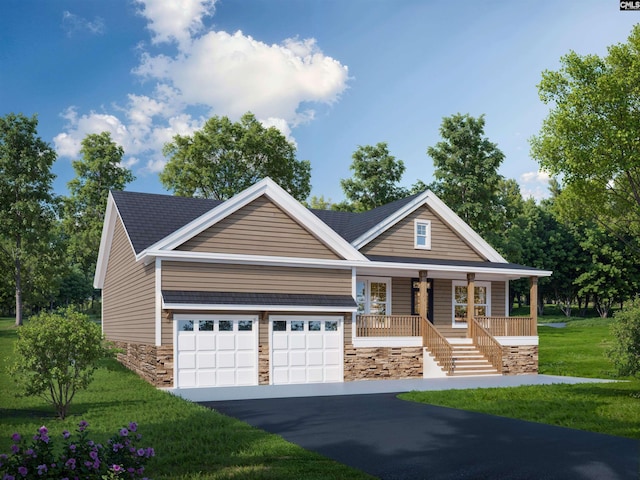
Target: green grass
[577,350]
[191,442]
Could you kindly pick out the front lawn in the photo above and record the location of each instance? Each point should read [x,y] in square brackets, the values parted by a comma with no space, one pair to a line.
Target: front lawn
[577,350]
[191,442]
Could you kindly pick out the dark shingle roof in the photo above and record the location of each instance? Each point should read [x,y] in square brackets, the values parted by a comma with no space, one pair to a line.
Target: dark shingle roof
[150,217]
[272,299]
[458,263]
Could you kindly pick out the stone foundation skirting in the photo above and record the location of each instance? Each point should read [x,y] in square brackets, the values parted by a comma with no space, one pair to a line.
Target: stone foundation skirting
[153,364]
[519,360]
[382,363]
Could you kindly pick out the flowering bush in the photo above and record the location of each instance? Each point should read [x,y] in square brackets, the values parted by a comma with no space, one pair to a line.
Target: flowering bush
[79,459]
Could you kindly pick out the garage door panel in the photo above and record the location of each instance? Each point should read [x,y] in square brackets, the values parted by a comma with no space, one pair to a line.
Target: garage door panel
[315,357]
[226,378]
[333,374]
[186,341]
[280,376]
[187,360]
[332,358]
[188,378]
[206,341]
[315,340]
[206,360]
[280,359]
[226,359]
[245,342]
[298,374]
[206,378]
[245,359]
[280,341]
[226,341]
[332,341]
[297,358]
[297,341]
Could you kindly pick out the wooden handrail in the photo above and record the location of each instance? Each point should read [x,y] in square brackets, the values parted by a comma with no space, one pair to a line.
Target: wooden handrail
[508,326]
[487,344]
[438,346]
[388,326]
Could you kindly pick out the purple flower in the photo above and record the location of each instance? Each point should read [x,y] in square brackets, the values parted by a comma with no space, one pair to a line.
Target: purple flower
[43,430]
[16,437]
[124,432]
[141,452]
[42,469]
[15,448]
[82,426]
[29,452]
[150,452]
[88,463]
[72,448]
[65,434]
[93,454]
[23,471]
[133,426]
[117,446]
[71,463]
[116,468]
[8,477]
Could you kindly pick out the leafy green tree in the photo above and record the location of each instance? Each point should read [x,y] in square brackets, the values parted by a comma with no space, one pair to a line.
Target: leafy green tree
[99,171]
[320,203]
[225,158]
[56,355]
[466,172]
[590,140]
[26,199]
[625,351]
[376,174]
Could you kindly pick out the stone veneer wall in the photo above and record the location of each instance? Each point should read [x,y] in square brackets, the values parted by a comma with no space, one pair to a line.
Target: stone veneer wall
[153,364]
[263,350]
[519,360]
[382,362]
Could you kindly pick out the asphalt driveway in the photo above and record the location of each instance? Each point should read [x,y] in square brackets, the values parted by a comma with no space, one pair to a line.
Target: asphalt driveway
[393,439]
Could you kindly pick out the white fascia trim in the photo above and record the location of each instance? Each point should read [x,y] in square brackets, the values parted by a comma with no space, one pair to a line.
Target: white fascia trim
[390,221]
[108,226]
[281,198]
[232,258]
[373,342]
[253,308]
[517,341]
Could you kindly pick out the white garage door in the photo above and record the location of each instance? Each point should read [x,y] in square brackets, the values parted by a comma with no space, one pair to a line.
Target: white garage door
[215,351]
[306,349]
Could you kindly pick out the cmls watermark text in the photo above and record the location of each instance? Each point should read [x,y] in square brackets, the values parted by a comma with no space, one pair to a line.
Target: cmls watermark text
[629,5]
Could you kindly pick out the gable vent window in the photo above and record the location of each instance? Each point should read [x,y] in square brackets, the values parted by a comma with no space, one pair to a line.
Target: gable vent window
[422,234]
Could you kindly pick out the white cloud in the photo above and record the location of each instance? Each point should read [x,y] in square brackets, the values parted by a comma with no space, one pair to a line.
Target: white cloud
[533,177]
[73,23]
[176,20]
[214,72]
[234,73]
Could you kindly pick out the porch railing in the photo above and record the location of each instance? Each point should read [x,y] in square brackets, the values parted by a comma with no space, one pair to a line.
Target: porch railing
[509,326]
[487,344]
[388,326]
[438,346]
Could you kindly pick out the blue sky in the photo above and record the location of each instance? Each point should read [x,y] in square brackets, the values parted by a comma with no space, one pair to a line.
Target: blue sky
[331,74]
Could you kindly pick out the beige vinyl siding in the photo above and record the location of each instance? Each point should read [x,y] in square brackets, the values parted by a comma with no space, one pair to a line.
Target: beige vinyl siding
[259,228]
[398,241]
[128,295]
[442,302]
[400,296]
[251,278]
[167,328]
[497,299]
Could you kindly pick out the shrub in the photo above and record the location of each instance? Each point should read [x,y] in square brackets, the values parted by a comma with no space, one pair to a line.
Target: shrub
[625,351]
[80,458]
[56,355]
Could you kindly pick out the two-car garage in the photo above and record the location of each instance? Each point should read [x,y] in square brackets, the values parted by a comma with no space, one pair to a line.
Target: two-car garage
[216,350]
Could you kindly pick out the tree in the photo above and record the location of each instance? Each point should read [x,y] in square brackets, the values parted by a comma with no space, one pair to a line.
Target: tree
[99,171]
[320,203]
[375,176]
[26,199]
[466,171]
[590,140]
[56,355]
[225,158]
[625,351]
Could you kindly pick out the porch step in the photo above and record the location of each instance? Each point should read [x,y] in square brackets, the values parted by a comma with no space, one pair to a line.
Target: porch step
[468,360]
[450,332]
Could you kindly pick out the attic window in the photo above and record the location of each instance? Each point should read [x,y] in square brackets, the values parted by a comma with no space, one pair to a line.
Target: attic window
[422,234]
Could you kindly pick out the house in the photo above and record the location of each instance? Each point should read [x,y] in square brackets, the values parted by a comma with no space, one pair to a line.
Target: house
[260,290]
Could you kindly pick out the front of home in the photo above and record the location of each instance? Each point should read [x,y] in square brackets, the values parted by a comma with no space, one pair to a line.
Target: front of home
[259,290]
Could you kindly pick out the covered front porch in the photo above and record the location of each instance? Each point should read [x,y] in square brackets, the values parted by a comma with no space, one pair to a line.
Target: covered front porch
[451,319]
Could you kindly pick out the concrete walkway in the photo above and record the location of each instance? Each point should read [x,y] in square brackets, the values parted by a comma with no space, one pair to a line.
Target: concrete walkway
[366,387]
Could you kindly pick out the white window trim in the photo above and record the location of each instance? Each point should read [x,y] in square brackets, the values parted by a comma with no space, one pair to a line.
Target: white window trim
[386,280]
[457,283]
[427,224]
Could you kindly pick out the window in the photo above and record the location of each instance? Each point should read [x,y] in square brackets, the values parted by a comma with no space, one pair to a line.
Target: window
[225,326]
[482,303]
[373,295]
[279,326]
[205,325]
[422,234]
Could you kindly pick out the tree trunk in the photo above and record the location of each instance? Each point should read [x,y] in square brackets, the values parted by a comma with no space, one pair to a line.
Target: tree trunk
[18,267]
